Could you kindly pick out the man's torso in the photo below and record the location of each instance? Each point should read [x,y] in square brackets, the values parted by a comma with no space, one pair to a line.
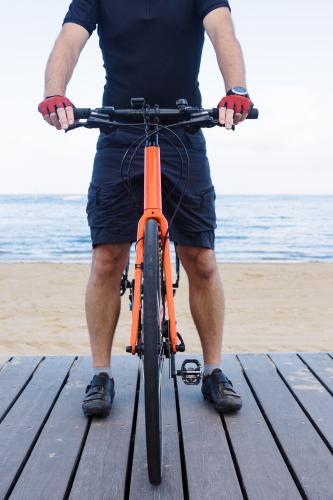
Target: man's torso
[151,49]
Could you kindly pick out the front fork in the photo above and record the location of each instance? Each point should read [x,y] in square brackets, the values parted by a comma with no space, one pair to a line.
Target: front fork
[191,371]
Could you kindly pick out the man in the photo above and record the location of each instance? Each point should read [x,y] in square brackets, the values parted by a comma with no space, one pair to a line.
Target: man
[151,49]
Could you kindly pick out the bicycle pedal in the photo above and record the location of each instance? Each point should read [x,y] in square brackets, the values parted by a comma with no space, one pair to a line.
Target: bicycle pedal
[190,372]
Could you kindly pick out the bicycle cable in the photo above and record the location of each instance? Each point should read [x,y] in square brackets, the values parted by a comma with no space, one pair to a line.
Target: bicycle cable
[127,182]
[165,127]
[138,143]
[141,140]
[181,167]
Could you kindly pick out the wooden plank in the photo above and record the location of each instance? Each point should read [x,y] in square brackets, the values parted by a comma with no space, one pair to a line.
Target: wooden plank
[311,394]
[3,360]
[210,469]
[171,487]
[308,456]
[322,365]
[263,470]
[102,469]
[21,425]
[58,446]
[13,378]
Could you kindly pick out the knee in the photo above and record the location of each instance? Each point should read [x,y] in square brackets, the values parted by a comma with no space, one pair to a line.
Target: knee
[199,263]
[108,263]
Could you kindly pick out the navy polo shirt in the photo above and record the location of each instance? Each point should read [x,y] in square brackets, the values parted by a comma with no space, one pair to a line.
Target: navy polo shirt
[151,48]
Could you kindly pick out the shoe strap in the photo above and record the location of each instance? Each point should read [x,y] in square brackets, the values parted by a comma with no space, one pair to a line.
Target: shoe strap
[229,387]
[221,378]
[99,380]
[96,389]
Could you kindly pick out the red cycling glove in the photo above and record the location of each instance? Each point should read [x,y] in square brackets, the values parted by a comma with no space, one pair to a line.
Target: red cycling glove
[52,103]
[238,103]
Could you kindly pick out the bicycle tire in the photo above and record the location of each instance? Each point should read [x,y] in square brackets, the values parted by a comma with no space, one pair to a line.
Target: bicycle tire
[152,357]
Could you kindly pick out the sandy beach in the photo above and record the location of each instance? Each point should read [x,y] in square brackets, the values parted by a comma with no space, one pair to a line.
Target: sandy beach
[270,307]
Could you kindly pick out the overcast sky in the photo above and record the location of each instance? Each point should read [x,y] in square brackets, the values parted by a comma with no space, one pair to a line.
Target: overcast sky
[288,52]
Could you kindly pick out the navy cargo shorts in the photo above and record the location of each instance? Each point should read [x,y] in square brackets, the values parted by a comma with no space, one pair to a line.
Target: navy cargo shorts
[113,212]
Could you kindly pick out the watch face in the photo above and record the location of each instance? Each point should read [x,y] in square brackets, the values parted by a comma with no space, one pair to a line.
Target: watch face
[239,90]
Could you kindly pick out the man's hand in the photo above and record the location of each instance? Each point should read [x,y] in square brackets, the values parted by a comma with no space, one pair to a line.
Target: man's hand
[57,111]
[233,109]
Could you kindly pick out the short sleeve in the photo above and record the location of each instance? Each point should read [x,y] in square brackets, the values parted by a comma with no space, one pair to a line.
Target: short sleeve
[84,13]
[204,7]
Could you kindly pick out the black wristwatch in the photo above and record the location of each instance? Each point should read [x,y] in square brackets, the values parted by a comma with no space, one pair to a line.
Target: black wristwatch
[238,91]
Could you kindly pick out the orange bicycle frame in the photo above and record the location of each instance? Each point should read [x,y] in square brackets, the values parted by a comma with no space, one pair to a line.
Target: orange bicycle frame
[153,210]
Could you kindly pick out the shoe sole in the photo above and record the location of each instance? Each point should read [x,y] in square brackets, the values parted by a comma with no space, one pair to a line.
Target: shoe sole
[227,407]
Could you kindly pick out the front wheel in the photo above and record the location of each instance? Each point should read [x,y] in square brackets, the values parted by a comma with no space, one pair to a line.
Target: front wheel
[152,358]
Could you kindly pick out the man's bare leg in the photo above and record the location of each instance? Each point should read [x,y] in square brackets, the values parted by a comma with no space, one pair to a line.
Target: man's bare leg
[207,308]
[103,299]
[206,299]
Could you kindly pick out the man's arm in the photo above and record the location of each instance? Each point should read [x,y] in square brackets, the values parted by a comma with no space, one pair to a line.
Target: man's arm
[220,29]
[60,67]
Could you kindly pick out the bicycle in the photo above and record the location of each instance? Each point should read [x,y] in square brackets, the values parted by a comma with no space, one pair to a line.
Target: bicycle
[153,334]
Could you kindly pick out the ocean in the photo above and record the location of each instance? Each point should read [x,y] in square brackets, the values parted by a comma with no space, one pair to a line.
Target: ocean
[265,228]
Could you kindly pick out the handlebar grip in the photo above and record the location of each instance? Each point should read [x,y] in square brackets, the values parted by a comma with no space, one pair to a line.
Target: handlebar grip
[253,114]
[81,113]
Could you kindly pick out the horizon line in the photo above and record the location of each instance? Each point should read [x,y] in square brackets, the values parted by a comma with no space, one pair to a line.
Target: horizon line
[217,193]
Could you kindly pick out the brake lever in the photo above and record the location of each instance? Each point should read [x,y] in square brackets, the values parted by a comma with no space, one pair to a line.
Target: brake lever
[199,121]
[218,124]
[205,119]
[96,121]
[74,126]
[91,122]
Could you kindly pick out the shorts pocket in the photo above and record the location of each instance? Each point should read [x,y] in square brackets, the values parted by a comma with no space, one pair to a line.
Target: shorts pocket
[117,137]
[197,212]
[199,200]
[196,141]
[207,196]
[100,196]
[110,206]
[107,140]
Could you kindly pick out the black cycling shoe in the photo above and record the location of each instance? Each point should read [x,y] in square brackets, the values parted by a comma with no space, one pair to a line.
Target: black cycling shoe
[218,389]
[100,394]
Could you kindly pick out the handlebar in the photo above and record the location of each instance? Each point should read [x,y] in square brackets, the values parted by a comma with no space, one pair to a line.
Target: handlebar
[253,114]
[182,115]
[82,113]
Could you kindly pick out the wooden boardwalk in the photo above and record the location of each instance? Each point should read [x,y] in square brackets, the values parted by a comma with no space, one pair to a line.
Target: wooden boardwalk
[279,446]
